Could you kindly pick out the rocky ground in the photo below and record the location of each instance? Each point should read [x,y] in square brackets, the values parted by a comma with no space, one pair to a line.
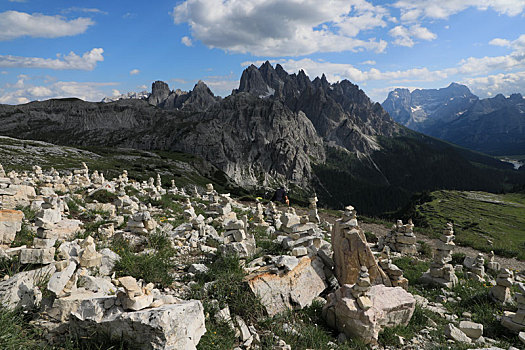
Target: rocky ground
[94,263]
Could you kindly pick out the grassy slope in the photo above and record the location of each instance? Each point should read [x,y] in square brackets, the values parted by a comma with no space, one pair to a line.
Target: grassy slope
[185,169]
[478,217]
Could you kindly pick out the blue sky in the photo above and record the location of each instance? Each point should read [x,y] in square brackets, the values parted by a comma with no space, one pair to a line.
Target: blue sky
[91,49]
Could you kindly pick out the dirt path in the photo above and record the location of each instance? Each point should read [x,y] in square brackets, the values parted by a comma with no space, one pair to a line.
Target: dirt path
[510,263]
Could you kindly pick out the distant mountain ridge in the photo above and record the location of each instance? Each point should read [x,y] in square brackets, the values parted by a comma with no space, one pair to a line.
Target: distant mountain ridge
[276,128]
[492,125]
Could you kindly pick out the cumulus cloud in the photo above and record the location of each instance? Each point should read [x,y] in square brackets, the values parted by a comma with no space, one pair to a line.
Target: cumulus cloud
[186,40]
[413,10]
[499,42]
[134,72]
[282,27]
[14,24]
[404,35]
[22,92]
[87,61]
[339,71]
[504,83]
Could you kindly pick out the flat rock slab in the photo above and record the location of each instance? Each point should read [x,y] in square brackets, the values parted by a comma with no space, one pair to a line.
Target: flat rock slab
[168,327]
[20,290]
[391,306]
[10,224]
[294,289]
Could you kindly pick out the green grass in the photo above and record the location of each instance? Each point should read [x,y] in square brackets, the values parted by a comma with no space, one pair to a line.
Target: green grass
[477,220]
[263,241]
[14,331]
[152,267]
[412,269]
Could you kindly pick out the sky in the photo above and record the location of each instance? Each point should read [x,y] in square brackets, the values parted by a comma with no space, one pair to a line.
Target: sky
[91,49]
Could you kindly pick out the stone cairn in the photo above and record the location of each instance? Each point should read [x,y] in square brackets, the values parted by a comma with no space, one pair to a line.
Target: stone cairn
[515,321]
[393,272]
[258,218]
[441,272]
[501,291]
[313,215]
[477,270]
[402,238]
[134,297]
[43,250]
[141,223]
[492,264]
[237,239]
[361,289]
[351,251]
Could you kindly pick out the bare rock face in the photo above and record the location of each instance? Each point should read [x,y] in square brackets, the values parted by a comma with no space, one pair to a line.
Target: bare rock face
[351,252]
[390,307]
[293,289]
[159,93]
[168,327]
[10,224]
[21,289]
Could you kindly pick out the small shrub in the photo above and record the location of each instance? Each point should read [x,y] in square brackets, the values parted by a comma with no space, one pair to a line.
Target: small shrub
[371,237]
[412,269]
[23,237]
[229,288]
[14,332]
[152,267]
[424,249]
[103,196]
[457,258]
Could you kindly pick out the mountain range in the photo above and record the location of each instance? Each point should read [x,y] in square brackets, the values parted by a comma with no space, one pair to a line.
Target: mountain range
[493,125]
[276,128]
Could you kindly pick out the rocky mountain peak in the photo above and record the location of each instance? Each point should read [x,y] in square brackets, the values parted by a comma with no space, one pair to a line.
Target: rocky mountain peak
[159,93]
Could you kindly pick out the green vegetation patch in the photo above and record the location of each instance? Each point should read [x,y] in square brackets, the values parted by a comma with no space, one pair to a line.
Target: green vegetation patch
[479,218]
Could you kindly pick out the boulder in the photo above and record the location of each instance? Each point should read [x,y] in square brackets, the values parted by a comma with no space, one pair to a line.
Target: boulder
[21,291]
[390,307]
[454,333]
[287,290]
[10,224]
[351,251]
[168,327]
[17,195]
[471,329]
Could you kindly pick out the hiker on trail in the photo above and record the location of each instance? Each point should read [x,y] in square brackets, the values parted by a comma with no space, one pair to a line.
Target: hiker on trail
[280,195]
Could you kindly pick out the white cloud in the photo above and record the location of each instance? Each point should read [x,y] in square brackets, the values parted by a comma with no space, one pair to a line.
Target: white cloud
[186,40]
[21,92]
[4,72]
[134,72]
[143,87]
[498,83]
[87,61]
[369,62]
[339,71]
[404,35]
[413,10]
[14,24]
[499,42]
[115,92]
[282,27]
[85,10]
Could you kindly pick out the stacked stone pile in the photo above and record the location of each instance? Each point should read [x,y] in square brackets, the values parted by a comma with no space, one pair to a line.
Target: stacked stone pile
[501,291]
[237,239]
[441,272]
[313,215]
[43,250]
[393,272]
[401,238]
[515,321]
[141,223]
[351,251]
[476,271]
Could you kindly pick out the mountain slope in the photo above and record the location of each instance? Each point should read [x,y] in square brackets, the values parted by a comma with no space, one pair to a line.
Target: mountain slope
[276,128]
[493,125]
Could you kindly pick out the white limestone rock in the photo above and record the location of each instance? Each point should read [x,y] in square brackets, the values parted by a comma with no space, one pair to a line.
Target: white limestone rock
[390,306]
